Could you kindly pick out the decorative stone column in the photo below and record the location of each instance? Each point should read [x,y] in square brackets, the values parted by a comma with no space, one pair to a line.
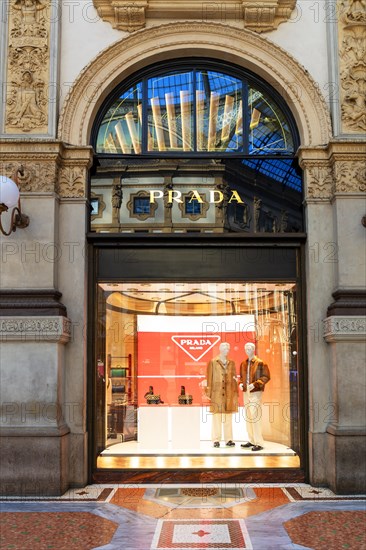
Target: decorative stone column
[318,179]
[336,260]
[34,433]
[43,358]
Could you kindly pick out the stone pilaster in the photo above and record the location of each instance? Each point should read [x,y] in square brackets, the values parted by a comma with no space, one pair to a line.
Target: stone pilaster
[334,194]
[43,360]
[29,69]
[34,433]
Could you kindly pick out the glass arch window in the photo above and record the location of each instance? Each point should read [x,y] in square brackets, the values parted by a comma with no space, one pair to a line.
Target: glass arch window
[205,110]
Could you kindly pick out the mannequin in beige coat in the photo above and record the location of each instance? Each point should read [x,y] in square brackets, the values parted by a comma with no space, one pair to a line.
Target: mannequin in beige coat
[222,390]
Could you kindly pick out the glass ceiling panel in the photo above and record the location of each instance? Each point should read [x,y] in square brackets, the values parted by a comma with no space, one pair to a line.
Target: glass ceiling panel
[280,170]
[170,113]
[120,130]
[193,111]
[269,130]
[219,112]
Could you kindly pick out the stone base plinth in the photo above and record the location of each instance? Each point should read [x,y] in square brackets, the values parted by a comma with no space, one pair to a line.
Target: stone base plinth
[34,464]
[346,458]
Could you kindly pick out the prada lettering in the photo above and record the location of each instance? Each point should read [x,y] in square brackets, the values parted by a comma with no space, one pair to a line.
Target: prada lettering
[215,197]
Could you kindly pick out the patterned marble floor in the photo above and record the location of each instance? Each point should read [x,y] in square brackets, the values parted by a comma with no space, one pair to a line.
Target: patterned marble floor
[232,516]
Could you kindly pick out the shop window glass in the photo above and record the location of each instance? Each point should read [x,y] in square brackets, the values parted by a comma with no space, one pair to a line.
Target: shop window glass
[195,110]
[192,206]
[219,110]
[154,345]
[120,129]
[170,113]
[141,205]
[269,130]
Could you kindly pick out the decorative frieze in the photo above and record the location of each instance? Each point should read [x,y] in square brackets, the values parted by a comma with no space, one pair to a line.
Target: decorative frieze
[47,167]
[350,176]
[259,16]
[344,328]
[35,177]
[49,329]
[352,62]
[338,168]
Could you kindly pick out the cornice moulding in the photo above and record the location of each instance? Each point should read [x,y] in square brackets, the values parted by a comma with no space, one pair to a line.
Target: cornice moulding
[259,16]
[344,328]
[35,329]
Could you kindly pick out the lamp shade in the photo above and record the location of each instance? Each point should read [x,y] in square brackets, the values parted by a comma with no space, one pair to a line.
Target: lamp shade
[9,192]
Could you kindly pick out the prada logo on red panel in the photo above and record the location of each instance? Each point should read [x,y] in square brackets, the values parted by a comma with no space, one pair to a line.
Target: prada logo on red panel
[195,345]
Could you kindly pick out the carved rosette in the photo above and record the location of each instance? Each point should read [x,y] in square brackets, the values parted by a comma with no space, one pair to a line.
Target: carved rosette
[28,67]
[131,15]
[352,61]
[319,180]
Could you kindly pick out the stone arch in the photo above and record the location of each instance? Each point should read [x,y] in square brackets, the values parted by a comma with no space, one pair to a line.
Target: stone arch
[212,40]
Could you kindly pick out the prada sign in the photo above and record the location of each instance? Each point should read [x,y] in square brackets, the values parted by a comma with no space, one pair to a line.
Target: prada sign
[215,196]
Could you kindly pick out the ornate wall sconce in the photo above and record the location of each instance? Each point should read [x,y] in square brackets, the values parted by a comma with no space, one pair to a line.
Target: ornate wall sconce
[10,199]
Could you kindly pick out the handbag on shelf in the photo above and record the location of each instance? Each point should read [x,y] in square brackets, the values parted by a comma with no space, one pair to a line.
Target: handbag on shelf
[183,398]
[152,398]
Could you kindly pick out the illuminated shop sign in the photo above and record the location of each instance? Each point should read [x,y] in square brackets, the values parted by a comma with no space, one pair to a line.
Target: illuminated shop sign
[215,196]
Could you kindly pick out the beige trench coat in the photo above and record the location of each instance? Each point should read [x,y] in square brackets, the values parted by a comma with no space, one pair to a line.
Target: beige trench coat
[222,386]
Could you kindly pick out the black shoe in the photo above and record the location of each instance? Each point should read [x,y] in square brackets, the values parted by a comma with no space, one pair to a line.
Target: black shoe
[257,448]
[217,444]
[230,444]
[246,445]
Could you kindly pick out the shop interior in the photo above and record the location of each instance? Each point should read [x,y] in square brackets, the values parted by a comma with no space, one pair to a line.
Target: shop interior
[154,342]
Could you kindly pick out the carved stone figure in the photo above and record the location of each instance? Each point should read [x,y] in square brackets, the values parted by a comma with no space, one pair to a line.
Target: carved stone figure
[117,195]
[26,103]
[29,25]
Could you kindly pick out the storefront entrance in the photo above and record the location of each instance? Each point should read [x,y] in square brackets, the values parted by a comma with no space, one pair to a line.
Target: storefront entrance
[196,242]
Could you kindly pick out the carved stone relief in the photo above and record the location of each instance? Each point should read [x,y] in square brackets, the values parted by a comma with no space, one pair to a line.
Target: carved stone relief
[127,15]
[352,40]
[28,67]
[338,168]
[49,167]
[338,328]
[72,182]
[36,177]
[350,176]
[51,329]
[319,178]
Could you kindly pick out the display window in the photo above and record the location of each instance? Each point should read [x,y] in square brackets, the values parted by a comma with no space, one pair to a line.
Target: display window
[197,368]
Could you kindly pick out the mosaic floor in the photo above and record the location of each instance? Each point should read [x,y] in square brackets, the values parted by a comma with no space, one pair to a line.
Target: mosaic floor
[232,516]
